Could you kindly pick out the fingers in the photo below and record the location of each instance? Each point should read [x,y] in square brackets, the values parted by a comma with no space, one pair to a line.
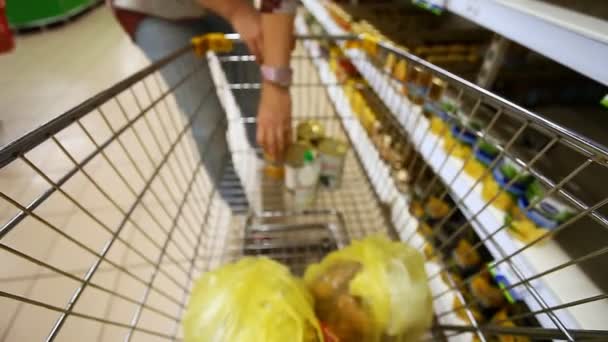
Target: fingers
[280,142]
[274,139]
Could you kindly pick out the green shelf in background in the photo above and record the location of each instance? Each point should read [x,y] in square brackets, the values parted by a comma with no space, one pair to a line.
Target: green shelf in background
[35,13]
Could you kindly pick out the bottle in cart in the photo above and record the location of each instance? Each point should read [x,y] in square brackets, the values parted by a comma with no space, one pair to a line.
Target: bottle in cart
[302,171]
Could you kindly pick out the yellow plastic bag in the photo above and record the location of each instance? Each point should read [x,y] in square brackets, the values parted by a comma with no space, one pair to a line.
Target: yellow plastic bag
[372,290]
[253,300]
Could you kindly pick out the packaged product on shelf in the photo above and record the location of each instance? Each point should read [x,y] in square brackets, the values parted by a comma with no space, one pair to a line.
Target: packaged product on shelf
[523,229]
[345,70]
[502,319]
[373,290]
[474,168]
[417,209]
[463,312]
[429,252]
[450,105]
[332,154]
[385,146]
[438,126]
[401,178]
[435,209]
[486,150]
[433,105]
[464,130]
[507,170]
[418,82]
[546,211]
[466,258]
[491,189]
[488,295]
[302,170]
[310,131]
[400,71]
[389,63]
[456,148]
[397,154]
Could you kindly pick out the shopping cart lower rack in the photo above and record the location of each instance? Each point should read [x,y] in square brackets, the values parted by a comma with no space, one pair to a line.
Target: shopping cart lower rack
[110,212]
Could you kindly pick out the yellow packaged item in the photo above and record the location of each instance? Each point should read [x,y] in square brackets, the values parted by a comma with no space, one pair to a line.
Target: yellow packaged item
[521,228]
[417,210]
[234,303]
[474,168]
[461,311]
[389,63]
[504,201]
[373,290]
[502,319]
[400,71]
[488,295]
[438,126]
[456,148]
[465,256]
[436,208]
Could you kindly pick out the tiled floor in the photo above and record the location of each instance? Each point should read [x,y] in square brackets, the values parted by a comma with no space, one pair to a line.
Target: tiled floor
[52,71]
[46,257]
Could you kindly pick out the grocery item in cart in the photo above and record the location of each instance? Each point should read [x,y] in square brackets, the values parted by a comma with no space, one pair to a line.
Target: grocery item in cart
[273,168]
[332,154]
[310,131]
[373,290]
[302,171]
[235,303]
[546,211]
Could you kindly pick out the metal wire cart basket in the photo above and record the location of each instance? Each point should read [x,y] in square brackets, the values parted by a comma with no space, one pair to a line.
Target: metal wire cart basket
[121,217]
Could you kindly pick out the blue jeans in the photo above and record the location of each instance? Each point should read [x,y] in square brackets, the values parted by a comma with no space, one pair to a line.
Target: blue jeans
[158,38]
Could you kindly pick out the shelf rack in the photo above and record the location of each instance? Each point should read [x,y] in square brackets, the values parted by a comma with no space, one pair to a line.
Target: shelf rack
[379,174]
[546,29]
[554,289]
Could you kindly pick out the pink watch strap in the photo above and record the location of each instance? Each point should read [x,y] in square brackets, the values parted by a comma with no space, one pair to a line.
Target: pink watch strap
[278,75]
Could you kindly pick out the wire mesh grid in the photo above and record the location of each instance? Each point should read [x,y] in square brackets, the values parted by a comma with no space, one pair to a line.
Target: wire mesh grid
[109,214]
[553,267]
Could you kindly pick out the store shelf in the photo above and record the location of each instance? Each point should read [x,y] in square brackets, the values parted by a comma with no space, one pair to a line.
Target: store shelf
[379,175]
[575,40]
[555,288]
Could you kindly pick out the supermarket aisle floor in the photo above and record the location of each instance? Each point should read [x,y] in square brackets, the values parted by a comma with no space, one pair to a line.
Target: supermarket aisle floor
[51,72]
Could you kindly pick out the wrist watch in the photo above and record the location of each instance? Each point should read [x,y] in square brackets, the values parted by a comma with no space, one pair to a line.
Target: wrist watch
[280,76]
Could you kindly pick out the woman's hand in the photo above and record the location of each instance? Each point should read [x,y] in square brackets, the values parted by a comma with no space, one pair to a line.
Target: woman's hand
[247,22]
[274,120]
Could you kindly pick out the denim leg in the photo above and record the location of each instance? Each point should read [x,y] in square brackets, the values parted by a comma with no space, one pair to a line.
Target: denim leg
[158,38]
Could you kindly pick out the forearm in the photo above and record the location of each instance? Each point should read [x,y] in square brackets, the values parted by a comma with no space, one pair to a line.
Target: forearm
[225,8]
[278,39]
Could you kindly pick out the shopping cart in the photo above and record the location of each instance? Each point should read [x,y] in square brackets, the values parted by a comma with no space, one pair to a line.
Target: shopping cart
[118,216]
